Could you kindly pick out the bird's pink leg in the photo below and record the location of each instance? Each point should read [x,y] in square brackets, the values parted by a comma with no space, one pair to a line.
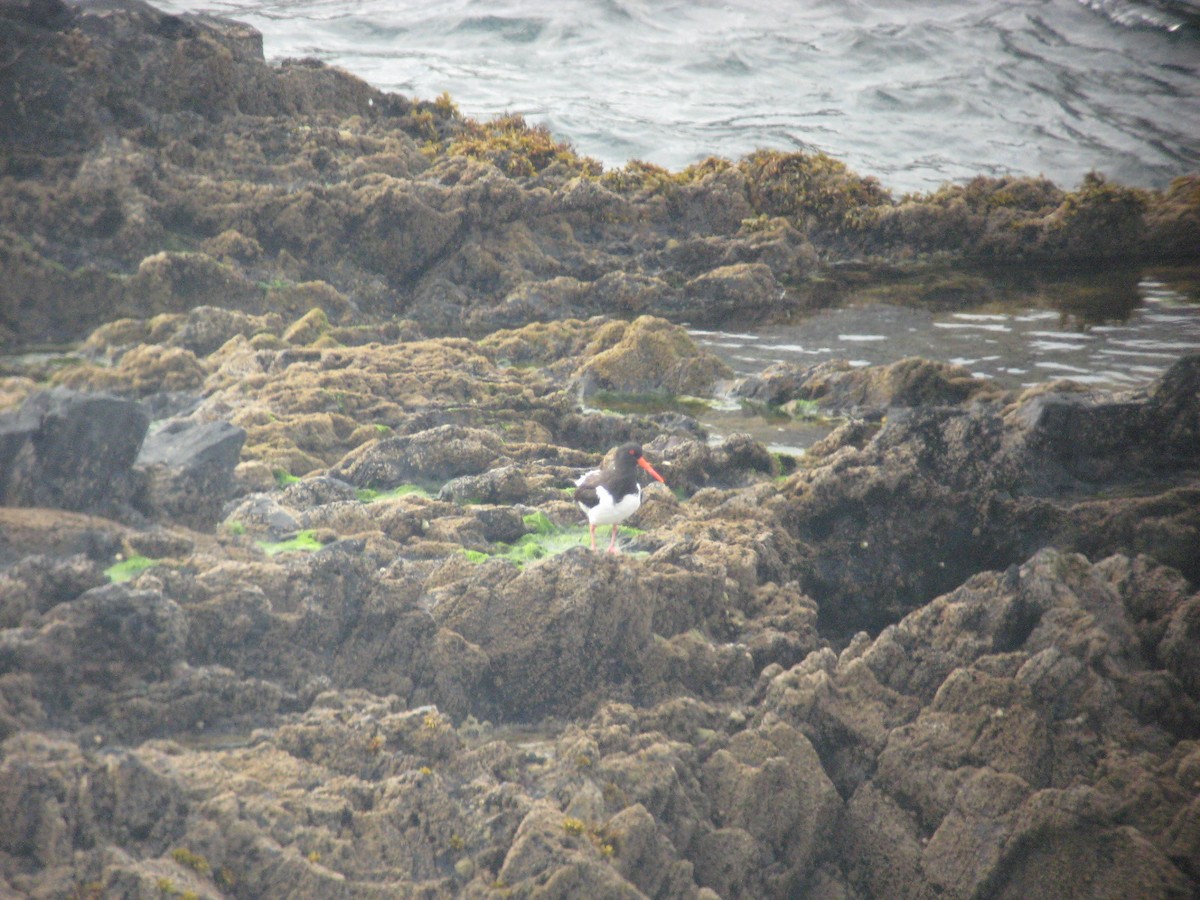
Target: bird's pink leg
[592,529]
[612,544]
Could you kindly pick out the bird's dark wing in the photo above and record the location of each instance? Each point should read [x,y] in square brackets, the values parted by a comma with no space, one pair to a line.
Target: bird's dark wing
[585,492]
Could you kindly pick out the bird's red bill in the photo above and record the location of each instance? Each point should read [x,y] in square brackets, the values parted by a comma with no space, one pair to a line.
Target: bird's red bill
[649,468]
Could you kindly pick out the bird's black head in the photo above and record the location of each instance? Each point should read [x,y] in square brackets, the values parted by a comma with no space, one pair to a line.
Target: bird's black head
[628,454]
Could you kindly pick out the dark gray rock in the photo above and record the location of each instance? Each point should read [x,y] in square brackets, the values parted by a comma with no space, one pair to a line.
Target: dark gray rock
[1078,439]
[189,471]
[942,492]
[69,450]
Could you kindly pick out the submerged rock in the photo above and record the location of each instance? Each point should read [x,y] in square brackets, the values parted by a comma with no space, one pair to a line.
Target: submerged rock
[839,387]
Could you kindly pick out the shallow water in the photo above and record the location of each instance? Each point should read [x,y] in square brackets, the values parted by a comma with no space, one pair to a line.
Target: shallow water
[915,93]
[1020,339]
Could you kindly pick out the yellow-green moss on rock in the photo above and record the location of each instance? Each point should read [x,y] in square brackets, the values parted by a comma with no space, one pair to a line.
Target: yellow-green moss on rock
[146,369]
[308,328]
[647,355]
[516,148]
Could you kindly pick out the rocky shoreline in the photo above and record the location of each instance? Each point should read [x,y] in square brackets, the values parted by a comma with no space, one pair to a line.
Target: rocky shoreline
[294,600]
[155,163]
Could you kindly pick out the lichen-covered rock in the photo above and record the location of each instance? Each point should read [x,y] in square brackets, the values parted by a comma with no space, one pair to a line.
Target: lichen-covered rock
[504,484]
[742,289]
[554,640]
[35,583]
[106,635]
[33,531]
[1021,679]
[175,282]
[692,465]
[206,328]
[771,784]
[1170,221]
[146,369]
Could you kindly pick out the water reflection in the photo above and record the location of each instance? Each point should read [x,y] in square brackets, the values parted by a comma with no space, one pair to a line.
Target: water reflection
[1109,329]
[1081,297]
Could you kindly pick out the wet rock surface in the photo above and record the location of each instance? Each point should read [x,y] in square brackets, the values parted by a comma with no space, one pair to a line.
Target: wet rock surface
[294,599]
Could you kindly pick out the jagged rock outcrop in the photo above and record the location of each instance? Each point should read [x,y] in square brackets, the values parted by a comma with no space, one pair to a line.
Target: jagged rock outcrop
[942,492]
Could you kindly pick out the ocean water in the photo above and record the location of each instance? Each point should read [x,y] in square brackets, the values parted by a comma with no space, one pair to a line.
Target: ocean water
[914,92]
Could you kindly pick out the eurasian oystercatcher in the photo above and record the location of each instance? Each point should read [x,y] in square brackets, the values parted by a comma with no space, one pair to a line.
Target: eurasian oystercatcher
[610,495]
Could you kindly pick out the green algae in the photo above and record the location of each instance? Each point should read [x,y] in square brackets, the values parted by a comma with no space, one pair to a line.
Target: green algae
[303,542]
[539,523]
[544,541]
[535,546]
[798,409]
[283,478]
[129,568]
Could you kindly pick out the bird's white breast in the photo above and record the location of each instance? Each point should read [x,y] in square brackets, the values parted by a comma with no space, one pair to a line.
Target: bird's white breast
[608,513]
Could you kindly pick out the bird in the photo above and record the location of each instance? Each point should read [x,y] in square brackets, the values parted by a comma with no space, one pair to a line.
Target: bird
[610,495]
